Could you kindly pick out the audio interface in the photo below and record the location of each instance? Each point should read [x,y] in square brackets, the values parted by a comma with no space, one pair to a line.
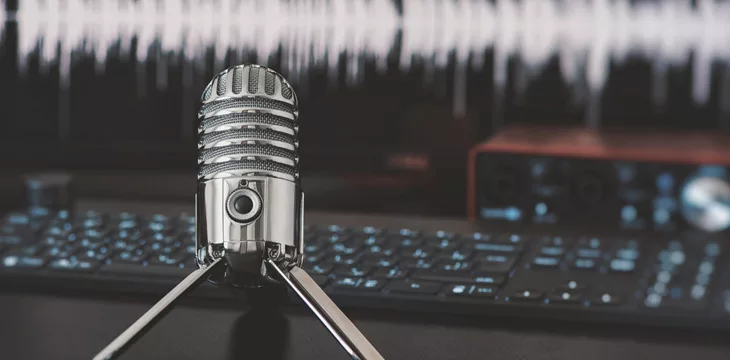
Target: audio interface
[616,179]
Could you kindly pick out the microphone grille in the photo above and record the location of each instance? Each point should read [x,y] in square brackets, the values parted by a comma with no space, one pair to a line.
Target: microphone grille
[248,125]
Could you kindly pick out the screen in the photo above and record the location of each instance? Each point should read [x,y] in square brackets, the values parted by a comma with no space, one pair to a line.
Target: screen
[384,86]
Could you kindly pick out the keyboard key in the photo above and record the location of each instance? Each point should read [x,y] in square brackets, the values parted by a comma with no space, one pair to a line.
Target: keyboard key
[369,230]
[357,284]
[165,260]
[368,240]
[336,229]
[552,250]
[408,233]
[319,269]
[392,273]
[590,242]
[22,262]
[345,249]
[565,297]
[10,239]
[498,264]
[443,245]
[622,265]
[453,266]
[546,262]
[312,249]
[61,251]
[458,277]
[527,295]
[471,291]
[553,241]
[418,253]
[571,285]
[345,259]
[139,270]
[489,247]
[161,248]
[380,250]
[99,254]
[509,239]
[404,243]
[584,264]
[414,287]
[456,255]
[588,253]
[346,283]
[356,271]
[486,278]
[313,258]
[28,250]
[443,276]
[129,257]
[73,265]
[412,263]
[607,299]
[378,261]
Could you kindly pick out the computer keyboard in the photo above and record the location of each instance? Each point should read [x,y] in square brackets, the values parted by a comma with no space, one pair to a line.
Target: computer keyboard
[681,280]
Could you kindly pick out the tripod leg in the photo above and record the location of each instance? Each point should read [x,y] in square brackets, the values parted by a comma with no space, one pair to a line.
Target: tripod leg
[146,321]
[336,322]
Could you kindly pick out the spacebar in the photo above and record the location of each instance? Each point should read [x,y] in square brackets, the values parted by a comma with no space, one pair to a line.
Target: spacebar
[139,270]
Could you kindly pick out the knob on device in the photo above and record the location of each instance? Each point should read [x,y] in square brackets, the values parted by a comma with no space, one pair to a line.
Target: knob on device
[706,202]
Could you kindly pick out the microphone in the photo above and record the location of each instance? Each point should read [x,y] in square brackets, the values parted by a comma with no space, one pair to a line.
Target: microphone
[249,199]
[249,203]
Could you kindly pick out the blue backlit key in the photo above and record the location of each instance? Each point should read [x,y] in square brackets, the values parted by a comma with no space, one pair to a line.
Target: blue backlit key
[414,287]
[622,265]
[481,291]
[546,262]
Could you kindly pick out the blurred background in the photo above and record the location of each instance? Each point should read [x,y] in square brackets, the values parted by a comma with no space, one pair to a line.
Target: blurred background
[392,93]
[563,159]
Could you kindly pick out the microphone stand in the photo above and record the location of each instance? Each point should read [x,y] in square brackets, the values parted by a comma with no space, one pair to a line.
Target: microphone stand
[336,322]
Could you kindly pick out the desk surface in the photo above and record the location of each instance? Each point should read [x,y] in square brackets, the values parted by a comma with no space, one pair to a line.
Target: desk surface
[48,327]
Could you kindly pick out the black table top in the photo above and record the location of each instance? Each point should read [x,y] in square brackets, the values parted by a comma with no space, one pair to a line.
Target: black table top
[34,326]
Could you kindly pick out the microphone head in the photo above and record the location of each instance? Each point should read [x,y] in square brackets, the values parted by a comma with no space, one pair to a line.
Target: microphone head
[248,125]
[249,200]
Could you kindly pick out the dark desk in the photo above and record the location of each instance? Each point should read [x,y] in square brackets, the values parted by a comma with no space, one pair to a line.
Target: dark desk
[44,327]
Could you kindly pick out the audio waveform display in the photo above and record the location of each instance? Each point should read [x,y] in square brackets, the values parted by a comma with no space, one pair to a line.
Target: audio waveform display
[586,36]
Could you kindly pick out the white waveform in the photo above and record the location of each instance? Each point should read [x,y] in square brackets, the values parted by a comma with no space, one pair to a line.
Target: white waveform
[587,36]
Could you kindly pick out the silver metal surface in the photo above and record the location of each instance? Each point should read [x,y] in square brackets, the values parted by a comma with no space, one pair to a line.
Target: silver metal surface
[219,234]
[247,142]
[706,203]
[336,322]
[248,216]
[253,126]
[155,313]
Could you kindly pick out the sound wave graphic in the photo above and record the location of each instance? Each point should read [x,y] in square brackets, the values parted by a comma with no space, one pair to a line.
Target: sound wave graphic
[586,36]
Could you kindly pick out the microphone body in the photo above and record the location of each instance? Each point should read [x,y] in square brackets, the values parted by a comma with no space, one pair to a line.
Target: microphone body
[249,201]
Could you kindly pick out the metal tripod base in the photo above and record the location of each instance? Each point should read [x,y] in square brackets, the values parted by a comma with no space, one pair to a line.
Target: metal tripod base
[336,322]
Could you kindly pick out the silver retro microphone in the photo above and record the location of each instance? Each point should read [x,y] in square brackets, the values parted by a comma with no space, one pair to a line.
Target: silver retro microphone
[249,200]
[249,203]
